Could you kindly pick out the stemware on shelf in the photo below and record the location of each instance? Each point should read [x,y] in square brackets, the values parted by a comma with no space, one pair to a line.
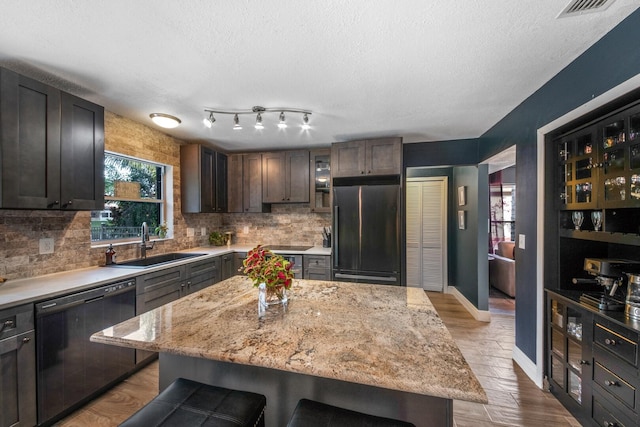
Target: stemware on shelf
[596,219]
[577,217]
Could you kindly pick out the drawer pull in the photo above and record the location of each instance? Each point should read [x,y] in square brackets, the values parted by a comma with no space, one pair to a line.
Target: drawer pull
[26,339]
[610,383]
[584,362]
[609,341]
[609,424]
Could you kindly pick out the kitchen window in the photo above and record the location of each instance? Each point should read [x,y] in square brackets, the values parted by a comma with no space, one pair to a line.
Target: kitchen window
[135,192]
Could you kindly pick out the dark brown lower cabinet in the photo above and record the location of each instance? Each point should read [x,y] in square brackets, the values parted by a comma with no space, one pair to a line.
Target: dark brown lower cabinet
[592,362]
[17,367]
[317,267]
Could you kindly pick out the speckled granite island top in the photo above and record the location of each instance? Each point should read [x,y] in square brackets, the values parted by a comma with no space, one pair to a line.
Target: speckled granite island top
[377,335]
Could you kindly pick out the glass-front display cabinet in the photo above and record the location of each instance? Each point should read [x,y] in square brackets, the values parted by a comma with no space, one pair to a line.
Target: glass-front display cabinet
[578,170]
[569,357]
[320,180]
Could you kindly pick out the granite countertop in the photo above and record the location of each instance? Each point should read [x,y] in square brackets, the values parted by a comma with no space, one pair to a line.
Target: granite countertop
[29,290]
[383,336]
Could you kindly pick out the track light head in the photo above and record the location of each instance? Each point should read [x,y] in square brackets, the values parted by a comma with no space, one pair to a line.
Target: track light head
[208,121]
[236,121]
[305,122]
[259,122]
[282,124]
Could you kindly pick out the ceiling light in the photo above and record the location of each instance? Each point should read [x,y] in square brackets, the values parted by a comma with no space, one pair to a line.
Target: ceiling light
[165,120]
[208,121]
[282,124]
[305,122]
[259,111]
[236,122]
[259,122]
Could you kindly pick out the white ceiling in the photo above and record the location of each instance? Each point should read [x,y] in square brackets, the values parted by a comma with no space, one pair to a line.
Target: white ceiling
[423,70]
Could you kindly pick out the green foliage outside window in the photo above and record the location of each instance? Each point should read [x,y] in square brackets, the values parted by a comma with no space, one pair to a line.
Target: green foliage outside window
[123,216]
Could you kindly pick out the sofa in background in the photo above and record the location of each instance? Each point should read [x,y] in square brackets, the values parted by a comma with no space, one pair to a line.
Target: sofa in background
[502,268]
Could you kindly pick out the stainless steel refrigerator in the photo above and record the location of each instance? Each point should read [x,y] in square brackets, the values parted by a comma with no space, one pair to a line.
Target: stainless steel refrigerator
[366,232]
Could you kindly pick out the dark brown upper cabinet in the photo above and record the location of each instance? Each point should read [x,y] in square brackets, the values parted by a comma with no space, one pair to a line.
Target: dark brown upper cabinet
[244,183]
[366,157]
[53,147]
[203,175]
[599,165]
[320,180]
[285,177]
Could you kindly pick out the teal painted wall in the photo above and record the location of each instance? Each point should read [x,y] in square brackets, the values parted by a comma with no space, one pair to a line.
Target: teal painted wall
[611,61]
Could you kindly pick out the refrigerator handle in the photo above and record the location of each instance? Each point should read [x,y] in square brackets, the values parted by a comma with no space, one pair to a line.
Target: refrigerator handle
[335,236]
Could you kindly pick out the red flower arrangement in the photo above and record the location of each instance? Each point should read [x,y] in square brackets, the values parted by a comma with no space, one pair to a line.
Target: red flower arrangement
[263,266]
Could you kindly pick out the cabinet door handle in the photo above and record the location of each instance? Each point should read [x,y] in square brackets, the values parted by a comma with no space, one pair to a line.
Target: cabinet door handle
[609,424]
[610,383]
[584,362]
[26,340]
[609,341]
[54,203]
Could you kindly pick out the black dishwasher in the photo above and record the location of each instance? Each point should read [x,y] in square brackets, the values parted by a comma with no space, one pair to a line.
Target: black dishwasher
[71,369]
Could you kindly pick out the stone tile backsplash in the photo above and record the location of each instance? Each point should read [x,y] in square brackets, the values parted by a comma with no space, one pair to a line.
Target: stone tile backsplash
[287,224]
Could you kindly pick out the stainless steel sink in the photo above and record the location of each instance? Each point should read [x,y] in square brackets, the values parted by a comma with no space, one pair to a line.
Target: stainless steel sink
[155,260]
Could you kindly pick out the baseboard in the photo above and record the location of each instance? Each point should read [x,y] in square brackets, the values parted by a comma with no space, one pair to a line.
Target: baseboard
[529,368]
[479,315]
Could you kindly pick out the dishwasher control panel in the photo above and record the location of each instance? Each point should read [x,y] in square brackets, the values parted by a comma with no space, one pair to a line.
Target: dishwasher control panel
[119,286]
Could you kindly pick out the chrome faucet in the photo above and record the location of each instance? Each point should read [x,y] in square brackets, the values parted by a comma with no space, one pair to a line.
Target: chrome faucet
[145,238]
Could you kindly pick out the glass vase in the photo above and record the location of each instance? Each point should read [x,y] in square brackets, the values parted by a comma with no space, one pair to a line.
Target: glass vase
[270,297]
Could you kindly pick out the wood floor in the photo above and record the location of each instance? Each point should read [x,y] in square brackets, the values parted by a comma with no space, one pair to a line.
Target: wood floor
[514,400]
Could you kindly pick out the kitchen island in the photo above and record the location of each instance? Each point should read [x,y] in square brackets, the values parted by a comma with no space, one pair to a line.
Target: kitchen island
[371,348]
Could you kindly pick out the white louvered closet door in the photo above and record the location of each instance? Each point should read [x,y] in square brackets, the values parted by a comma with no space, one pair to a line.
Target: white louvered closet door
[426,234]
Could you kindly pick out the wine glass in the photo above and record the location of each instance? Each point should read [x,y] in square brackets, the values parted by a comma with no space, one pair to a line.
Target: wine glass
[596,219]
[577,217]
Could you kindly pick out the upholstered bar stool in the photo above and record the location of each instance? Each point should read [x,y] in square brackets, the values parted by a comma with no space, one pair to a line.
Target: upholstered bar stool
[190,403]
[309,413]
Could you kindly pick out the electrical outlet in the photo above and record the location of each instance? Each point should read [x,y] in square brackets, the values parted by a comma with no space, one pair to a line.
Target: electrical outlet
[203,230]
[191,232]
[46,245]
[521,241]
[245,229]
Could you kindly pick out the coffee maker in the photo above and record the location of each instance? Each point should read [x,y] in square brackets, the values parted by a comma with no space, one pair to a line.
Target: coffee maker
[632,306]
[612,274]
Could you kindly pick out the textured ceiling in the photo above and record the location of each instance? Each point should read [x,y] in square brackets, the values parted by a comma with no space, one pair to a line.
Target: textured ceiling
[423,70]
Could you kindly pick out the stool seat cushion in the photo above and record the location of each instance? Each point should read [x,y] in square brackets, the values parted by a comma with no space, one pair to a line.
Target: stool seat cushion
[309,413]
[190,403]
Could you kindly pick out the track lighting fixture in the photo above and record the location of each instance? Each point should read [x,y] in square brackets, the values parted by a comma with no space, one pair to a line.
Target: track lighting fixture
[165,120]
[208,121]
[236,123]
[259,111]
